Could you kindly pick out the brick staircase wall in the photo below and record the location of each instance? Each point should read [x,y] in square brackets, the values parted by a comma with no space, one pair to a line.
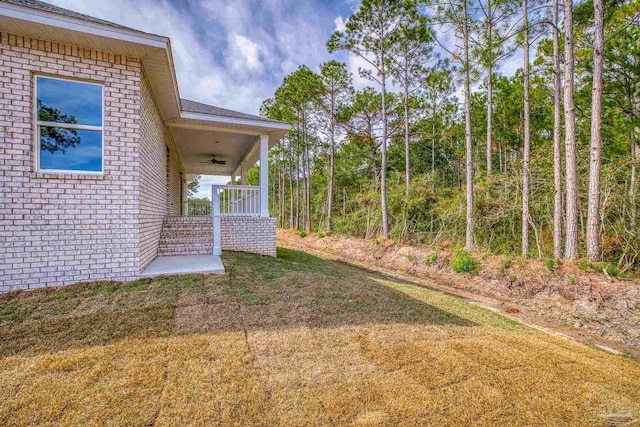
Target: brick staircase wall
[193,235]
[186,235]
[248,234]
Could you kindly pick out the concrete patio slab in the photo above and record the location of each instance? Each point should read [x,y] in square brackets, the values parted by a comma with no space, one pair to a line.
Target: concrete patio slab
[183,264]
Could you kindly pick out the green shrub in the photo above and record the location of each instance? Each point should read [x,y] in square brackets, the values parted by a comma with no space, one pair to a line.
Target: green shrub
[302,234]
[463,262]
[409,257]
[431,259]
[320,235]
[506,263]
[613,270]
[610,269]
[550,264]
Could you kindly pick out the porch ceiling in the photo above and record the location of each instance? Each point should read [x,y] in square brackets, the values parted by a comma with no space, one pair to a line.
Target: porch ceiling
[197,146]
[198,139]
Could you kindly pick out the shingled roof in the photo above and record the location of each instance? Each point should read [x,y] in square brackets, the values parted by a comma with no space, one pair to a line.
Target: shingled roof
[197,107]
[46,7]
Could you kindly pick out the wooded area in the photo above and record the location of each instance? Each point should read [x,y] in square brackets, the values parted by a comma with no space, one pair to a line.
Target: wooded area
[443,149]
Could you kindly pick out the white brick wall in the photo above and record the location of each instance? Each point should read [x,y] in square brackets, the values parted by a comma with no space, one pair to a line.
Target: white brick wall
[61,229]
[154,186]
[248,234]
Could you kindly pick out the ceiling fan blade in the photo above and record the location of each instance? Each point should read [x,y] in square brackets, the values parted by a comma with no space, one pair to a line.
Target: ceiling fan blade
[205,162]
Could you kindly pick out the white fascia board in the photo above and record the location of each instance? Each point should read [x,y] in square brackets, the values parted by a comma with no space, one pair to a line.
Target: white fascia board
[234,120]
[80,25]
[174,77]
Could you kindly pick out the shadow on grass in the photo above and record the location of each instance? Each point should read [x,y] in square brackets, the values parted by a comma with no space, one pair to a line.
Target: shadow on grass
[258,293]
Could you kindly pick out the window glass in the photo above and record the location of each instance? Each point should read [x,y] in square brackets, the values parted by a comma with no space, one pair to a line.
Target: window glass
[65,101]
[70,149]
[75,142]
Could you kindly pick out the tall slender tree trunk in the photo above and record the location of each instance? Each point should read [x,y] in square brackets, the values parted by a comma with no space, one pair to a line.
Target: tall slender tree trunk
[291,223]
[635,155]
[467,118]
[281,195]
[433,153]
[344,204]
[298,185]
[490,120]
[595,161]
[383,171]
[557,150]
[307,174]
[490,93]
[331,166]
[407,148]
[526,155]
[571,220]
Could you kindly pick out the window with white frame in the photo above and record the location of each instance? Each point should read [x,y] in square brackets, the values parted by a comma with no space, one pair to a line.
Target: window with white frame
[69,125]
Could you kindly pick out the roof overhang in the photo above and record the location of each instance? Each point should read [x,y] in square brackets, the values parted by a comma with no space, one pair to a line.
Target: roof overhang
[153,50]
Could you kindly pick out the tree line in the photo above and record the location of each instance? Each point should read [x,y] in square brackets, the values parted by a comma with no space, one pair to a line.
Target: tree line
[443,149]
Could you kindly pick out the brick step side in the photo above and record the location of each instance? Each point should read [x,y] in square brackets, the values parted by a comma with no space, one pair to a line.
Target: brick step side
[186,251]
[179,220]
[193,234]
[186,235]
[166,241]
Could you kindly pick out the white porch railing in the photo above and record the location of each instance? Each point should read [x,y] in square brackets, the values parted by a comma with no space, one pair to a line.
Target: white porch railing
[199,207]
[232,200]
[237,200]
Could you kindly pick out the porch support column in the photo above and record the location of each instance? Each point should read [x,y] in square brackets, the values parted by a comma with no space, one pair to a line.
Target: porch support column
[215,212]
[243,174]
[264,175]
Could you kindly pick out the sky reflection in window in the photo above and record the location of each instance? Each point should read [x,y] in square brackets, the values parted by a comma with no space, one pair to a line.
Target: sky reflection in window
[82,150]
[66,101]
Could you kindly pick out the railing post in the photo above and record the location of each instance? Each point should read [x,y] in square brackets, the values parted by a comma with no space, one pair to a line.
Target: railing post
[264,175]
[215,211]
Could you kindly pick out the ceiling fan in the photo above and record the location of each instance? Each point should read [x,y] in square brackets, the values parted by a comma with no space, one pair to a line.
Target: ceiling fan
[214,161]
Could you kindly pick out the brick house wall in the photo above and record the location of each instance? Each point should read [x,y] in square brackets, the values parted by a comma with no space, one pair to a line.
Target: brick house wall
[159,176]
[61,229]
[173,177]
[248,234]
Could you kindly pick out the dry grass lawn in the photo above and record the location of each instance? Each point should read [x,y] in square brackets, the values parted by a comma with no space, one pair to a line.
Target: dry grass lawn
[292,341]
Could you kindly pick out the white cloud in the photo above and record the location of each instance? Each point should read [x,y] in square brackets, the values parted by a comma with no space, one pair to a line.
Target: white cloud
[243,54]
[354,64]
[340,24]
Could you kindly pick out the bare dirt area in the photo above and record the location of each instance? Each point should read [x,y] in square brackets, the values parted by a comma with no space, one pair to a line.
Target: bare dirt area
[591,307]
